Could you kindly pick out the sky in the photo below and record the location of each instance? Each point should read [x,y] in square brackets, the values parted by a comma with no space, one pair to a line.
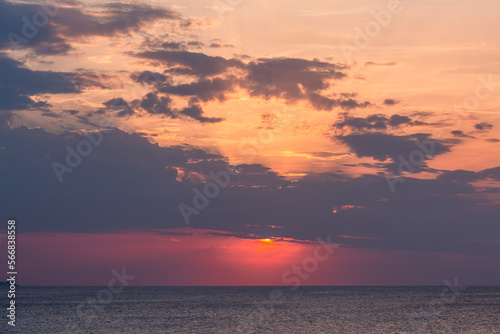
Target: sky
[248,142]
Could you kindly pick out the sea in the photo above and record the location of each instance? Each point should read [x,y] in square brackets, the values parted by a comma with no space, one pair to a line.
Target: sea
[308,310]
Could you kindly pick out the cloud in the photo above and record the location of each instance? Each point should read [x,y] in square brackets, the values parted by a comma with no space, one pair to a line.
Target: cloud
[372,122]
[195,44]
[390,102]
[162,105]
[113,18]
[156,102]
[127,182]
[174,45]
[464,176]
[378,122]
[483,126]
[382,147]
[204,89]
[18,31]
[5,118]
[289,78]
[195,112]
[70,111]
[157,105]
[51,114]
[119,106]
[492,173]
[60,25]
[460,134]
[461,176]
[293,80]
[91,79]
[18,85]
[22,88]
[219,45]
[397,120]
[149,77]
[143,172]
[192,63]
[214,78]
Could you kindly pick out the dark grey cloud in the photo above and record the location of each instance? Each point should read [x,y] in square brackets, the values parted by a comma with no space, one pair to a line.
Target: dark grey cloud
[157,105]
[192,63]
[284,77]
[5,118]
[483,126]
[124,170]
[378,122]
[196,44]
[460,134]
[492,173]
[397,120]
[49,30]
[18,30]
[162,105]
[194,111]
[113,18]
[70,111]
[294,80]
[117,159]
[216,45]
[288,79]
[51,114]
[258,175]
[416,148]
[149,77]
[22,88]
[171,45]
[18,85]
[461,176]
[382,146]
[464,176]
[346,104]
[204,89]
[176,46]
[372,122]
[119,107]
[91,79]
[390,102]
[127,182]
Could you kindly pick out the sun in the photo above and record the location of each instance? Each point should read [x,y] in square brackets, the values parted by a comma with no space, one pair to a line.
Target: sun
[267,243]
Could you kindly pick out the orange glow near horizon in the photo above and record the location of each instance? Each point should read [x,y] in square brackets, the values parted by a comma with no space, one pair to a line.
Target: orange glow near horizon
[176,259]
[194,260]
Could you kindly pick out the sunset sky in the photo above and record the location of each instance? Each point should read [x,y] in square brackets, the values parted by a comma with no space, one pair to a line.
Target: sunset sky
[373,123]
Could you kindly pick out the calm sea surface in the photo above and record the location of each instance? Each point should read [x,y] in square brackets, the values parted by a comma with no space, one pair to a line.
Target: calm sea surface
[306,310]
